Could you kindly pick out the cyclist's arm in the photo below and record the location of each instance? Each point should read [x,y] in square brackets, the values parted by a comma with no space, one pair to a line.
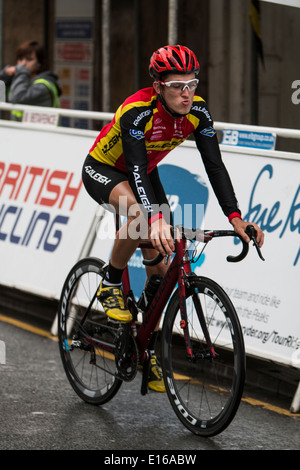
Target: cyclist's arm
[207,143]
[136,161]
[208,146]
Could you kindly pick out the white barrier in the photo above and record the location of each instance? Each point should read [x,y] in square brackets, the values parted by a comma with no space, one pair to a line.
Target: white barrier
[47,222]
[45,213]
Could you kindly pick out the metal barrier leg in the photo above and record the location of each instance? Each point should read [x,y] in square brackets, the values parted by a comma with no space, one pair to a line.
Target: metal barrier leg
[295,406]
[2,353]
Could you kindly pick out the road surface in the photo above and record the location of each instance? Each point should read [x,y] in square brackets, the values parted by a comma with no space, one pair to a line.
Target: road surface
[40,411]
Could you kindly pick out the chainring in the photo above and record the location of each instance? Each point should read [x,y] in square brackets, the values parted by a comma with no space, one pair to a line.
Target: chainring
[126,354]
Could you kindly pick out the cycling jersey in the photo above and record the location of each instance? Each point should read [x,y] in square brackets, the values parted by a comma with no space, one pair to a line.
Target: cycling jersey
[142,133]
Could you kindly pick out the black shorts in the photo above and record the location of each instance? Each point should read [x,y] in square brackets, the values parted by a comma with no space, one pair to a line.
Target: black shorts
[99,180]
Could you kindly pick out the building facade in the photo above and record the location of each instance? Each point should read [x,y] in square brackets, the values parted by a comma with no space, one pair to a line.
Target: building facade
[101,50]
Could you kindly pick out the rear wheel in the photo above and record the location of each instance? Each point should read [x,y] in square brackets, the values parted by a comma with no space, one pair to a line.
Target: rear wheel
[86,342]
[204,383]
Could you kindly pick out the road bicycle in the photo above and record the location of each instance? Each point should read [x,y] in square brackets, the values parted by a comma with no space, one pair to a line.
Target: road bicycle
[202,347]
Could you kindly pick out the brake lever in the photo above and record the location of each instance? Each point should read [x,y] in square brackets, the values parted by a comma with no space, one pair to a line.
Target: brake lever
[251,232]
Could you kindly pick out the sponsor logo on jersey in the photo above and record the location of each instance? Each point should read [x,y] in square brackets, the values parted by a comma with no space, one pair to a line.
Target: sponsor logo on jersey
[96,176]
[140,189]
[208,131]
[137,134]
[141,116]
[203,110]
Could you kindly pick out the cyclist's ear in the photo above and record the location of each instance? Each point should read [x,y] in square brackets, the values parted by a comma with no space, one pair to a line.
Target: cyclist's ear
[156,87]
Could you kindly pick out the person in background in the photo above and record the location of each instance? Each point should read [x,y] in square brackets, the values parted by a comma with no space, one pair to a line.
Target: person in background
[29,81]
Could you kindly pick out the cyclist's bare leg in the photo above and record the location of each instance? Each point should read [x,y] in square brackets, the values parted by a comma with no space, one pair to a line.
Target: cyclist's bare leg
[122,199]
[124,202]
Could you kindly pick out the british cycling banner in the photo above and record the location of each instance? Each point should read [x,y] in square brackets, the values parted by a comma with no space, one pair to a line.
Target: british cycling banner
[46,218]
[43,217]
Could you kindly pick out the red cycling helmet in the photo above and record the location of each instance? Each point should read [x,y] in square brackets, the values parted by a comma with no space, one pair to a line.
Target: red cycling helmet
[173,59]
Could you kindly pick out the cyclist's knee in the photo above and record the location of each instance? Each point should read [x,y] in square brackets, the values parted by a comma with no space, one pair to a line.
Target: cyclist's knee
[138,225]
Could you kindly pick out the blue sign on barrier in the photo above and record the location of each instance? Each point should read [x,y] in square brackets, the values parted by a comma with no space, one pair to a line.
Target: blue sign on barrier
[260,140]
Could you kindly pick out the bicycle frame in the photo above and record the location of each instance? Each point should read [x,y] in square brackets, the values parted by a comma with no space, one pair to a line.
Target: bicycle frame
[178,271]
[98,354]
[152,316]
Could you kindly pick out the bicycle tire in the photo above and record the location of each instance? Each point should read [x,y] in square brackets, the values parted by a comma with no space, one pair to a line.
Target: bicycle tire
[205,393]
[90,369]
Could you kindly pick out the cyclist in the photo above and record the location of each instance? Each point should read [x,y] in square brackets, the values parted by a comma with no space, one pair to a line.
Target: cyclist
[121,168]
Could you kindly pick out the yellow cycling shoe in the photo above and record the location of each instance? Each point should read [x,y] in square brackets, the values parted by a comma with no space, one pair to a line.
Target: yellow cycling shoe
[113,303]
[155,380]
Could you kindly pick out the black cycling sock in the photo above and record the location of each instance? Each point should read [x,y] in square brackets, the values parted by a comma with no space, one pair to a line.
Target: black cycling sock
[113,276]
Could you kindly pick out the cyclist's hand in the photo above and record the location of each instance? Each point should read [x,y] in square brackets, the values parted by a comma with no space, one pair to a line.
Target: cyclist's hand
[240,225]
[161,238]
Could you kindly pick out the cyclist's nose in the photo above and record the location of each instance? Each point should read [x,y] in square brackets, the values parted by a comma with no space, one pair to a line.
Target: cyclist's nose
[186,90]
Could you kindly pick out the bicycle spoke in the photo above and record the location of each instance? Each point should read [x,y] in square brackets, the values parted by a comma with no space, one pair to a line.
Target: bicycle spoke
[86,342]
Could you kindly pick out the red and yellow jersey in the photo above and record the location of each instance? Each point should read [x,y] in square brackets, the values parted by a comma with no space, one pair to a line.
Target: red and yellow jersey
[141,125]
[142,133]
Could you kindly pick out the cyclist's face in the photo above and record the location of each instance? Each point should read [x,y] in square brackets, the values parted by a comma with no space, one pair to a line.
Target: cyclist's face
[178,100]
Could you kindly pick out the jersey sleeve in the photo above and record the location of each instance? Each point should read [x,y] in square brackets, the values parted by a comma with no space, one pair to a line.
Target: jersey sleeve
[208,146]
[133,123]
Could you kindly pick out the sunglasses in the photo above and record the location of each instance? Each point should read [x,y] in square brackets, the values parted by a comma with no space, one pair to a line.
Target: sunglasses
[181,85]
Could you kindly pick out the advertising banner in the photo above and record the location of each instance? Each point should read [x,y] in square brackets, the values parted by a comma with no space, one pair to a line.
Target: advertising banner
[45,213]
[265,294]
[46,217]
[290,3]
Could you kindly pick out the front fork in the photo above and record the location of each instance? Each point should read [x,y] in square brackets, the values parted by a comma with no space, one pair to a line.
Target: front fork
[185,281]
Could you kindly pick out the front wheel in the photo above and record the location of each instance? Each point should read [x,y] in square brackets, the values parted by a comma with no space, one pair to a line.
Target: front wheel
[203,358]
[86,342]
